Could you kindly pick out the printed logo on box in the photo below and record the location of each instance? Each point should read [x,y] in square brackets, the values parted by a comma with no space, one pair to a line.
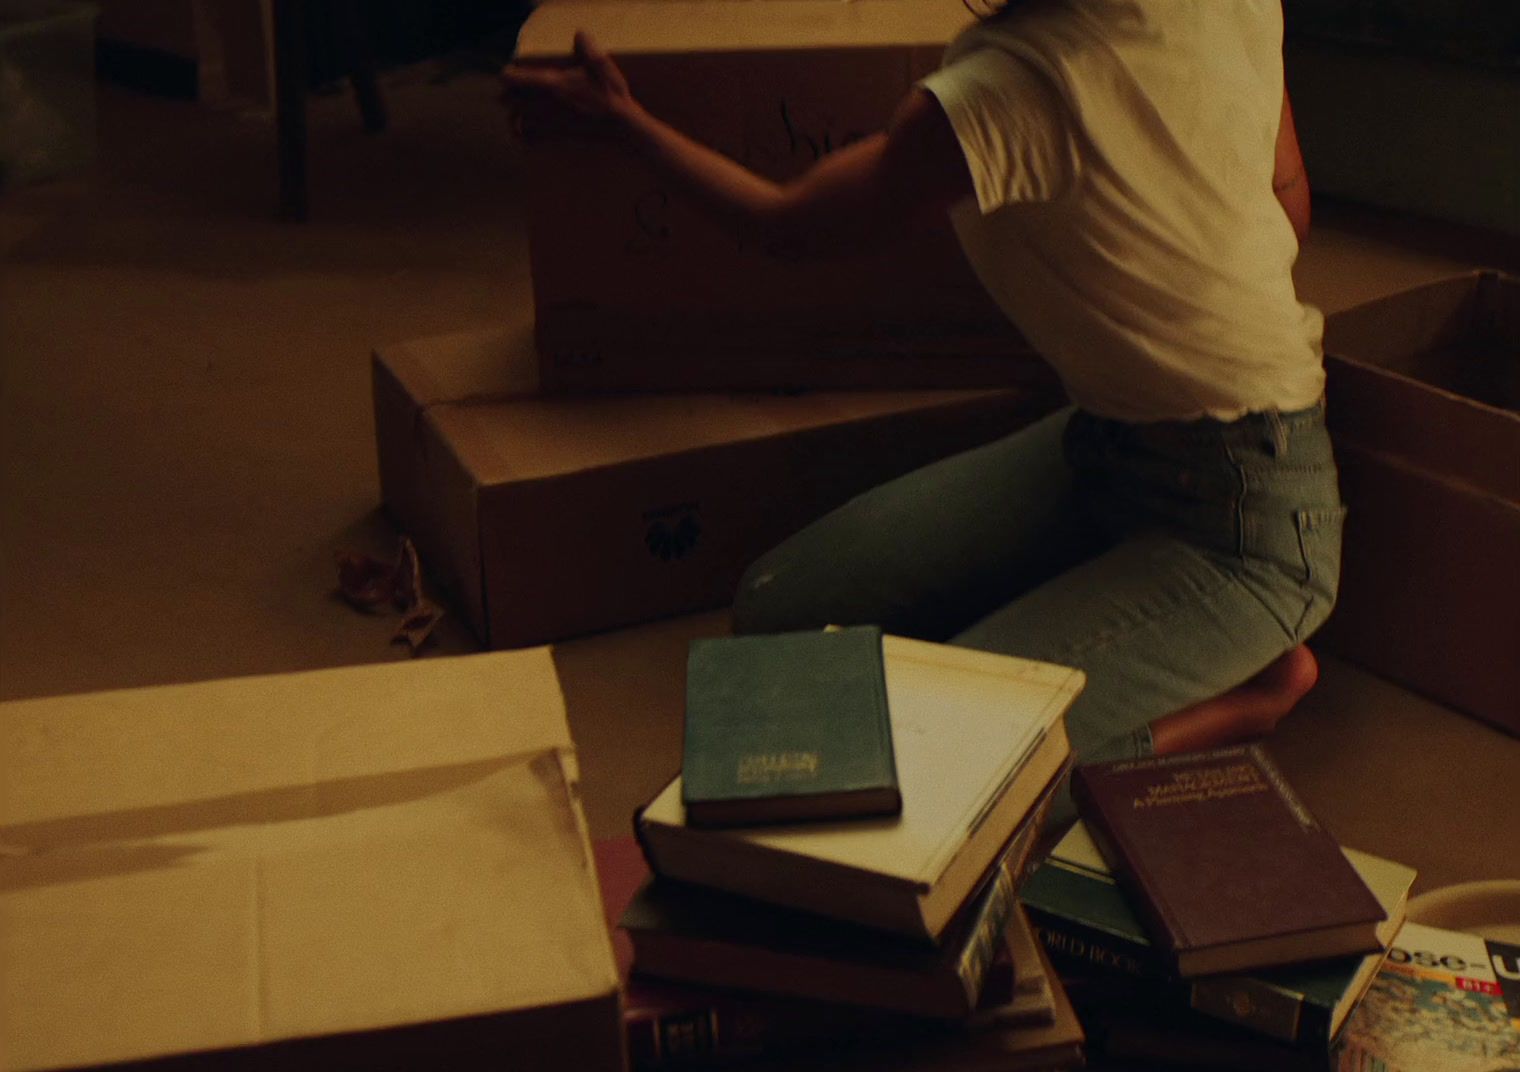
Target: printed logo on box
[672,531]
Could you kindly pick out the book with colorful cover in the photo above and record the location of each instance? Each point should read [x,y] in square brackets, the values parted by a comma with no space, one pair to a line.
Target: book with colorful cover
[783,727]
[1443,1001]
[1091,929]
[1227,868]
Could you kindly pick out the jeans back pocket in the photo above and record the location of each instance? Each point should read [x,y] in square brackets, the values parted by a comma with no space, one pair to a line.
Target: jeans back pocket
[1319,544]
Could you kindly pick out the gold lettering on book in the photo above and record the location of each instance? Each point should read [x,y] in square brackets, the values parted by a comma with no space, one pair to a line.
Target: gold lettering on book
[766,767]
[1201,784]
[1300,812]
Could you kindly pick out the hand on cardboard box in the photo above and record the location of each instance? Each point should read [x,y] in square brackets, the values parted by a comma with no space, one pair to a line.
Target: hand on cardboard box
[853,196]
[585,94]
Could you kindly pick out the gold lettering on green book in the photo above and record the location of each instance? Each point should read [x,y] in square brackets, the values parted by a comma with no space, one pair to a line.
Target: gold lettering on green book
[767,767]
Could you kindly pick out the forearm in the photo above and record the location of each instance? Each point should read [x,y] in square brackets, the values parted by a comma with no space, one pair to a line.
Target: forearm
[840,203]
[738,196]
[1293,195]
[880,184]
[1290,183]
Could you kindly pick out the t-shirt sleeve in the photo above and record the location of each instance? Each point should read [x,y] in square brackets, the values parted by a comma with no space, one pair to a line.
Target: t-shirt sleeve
[1012,124]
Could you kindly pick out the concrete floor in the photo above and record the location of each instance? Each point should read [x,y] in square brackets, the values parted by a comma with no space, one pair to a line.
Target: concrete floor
[186,437]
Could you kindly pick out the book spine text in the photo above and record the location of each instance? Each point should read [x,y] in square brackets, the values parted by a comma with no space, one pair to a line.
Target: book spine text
[1234,999]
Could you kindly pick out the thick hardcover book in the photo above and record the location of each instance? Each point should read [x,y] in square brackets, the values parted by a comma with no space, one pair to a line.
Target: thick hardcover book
[679,1025]
[1092,932]
[682,1025]
[1141,1037]
[1442,1001]
[1228,869]
[978,738]
[700,935]
[787,726]
[1056,1042]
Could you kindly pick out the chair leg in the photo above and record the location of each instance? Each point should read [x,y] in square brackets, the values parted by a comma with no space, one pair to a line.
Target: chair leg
[353,39]
[292,82]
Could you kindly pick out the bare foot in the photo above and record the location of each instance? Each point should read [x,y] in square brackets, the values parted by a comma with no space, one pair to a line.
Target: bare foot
[1247,711]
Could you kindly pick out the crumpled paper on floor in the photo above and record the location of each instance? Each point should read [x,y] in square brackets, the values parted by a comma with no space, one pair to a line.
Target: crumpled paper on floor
[376,586]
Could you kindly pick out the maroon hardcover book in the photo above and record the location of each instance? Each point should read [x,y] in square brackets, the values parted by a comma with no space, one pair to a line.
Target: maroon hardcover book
[1228,869]
[671,1024]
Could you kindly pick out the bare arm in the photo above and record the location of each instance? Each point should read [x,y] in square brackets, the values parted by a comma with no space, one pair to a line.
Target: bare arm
[869,189]
[1289,181]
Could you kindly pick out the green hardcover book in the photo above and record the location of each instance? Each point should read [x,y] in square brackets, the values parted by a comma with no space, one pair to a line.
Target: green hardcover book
[977,738]
[1090,929]
[786,727]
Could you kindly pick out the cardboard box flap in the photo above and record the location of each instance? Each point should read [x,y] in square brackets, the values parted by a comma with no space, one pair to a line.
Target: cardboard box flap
[1386,332]
[496,364]
[475,389]
[115,751]
[1459,335]
[547,437]
[423,859]
[1468,444]
[1432,375]
[670,26]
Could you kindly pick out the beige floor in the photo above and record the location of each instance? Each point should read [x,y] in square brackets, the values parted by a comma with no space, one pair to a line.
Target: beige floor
[186,437]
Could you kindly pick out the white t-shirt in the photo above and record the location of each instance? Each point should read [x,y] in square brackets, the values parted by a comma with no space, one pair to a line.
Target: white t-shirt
[1122,154]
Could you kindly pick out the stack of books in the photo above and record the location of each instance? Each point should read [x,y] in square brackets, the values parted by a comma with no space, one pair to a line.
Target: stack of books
[1200,916]
[833,877]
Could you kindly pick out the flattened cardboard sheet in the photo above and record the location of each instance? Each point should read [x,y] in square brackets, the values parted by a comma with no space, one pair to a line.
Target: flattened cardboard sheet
[329,858]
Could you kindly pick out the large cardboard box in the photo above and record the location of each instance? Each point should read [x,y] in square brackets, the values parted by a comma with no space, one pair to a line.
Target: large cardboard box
[1424,405]
[377,867]
[549,516]
[635,286]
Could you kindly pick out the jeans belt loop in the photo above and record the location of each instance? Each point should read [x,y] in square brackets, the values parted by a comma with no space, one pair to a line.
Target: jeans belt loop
[1279,431]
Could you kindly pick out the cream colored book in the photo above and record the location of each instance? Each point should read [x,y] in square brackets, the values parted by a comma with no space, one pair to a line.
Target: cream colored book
[978,739]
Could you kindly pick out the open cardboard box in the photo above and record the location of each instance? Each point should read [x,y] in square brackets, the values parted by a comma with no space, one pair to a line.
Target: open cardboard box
[1424,405]
[635,287]
[377,867]
[549,516]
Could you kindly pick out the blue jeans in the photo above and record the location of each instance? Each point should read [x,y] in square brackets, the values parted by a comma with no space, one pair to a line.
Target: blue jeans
[1169,561]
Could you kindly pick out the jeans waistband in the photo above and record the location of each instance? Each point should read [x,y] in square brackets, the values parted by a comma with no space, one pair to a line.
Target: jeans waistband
[1271,426]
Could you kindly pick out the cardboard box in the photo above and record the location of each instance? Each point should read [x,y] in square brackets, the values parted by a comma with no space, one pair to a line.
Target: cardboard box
[1424,404]
[378,866]
[635,286]
[548,517]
